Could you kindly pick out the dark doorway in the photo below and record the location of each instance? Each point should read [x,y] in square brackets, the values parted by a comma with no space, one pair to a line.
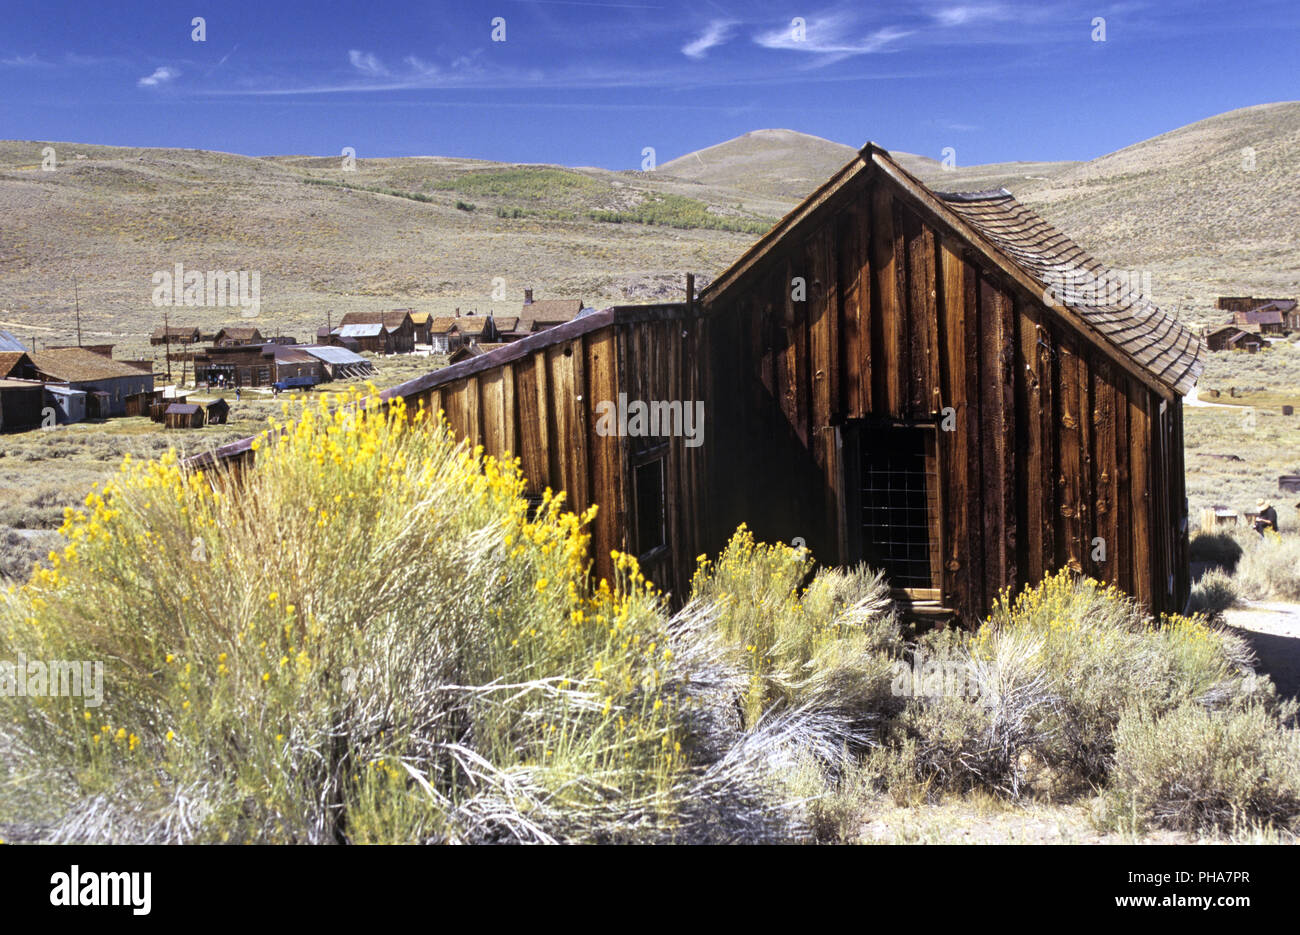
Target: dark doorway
[898,496]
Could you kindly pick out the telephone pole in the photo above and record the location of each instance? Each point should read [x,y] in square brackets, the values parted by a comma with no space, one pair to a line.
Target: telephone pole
[77,295]
[167,345]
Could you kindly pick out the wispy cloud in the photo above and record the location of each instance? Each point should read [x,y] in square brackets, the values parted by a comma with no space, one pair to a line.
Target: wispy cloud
[161,75]
[966,14]
[833,36]
[23,61]
[367,63]
[716,33]
[421,67]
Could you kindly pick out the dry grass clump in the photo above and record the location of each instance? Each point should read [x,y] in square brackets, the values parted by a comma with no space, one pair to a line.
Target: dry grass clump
[1194,769]
[1215,592]
[1269,569]
[832,645]
[1031,703]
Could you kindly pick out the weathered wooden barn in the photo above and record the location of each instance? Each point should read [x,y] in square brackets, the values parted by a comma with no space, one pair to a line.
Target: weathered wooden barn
[256,365]
[396,334]
[891,375]
[218,412]
[1232,338]
[175,334]
[237,336]
[139,404]
[183,416]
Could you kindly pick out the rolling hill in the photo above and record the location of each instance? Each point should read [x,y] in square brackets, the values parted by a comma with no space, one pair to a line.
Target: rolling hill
[437,232]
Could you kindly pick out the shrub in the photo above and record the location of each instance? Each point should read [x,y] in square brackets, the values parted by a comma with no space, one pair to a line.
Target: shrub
[831,647]
[1100,652]
[1270,568]
[1035,695]
[1198,770]
[1214,593]
[973,721]
[367,638]
[19,553]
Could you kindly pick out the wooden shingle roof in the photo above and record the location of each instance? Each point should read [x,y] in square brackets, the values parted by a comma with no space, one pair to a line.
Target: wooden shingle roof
[175,331]
[471,324]
[239,333]
[78,365]
[1149,343]
[443,324]
[391,320]
[13,362]
[1167,349]
[550,310]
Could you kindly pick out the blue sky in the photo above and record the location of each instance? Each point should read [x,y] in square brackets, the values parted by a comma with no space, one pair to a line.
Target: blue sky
[589,82]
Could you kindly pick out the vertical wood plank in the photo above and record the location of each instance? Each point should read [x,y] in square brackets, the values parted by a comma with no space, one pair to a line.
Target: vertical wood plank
[993,425]
[1139,412]
[1037,526]
[1069,531]
[1104,467]
[888,364]
[954,445]
[978,600]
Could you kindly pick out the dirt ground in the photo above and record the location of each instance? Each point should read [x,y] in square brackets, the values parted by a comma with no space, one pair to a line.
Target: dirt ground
[1274,631]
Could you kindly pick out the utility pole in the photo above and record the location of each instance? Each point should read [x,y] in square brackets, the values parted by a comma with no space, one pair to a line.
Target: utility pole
[167,345]
[77,295]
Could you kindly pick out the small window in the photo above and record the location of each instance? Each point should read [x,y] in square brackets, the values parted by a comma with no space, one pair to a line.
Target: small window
[649,483]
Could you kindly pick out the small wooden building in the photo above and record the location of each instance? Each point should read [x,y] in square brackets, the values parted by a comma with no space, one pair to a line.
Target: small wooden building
[887,376]
[237,336]
[183,416]
[396,334]
[175,334]
[139,404]
[421,322]
[444,336]
[1232,338]
[218,412]
[21,404]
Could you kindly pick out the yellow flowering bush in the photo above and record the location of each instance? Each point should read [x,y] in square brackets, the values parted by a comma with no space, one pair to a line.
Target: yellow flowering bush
[1073,653]
[367,636]
[832,643]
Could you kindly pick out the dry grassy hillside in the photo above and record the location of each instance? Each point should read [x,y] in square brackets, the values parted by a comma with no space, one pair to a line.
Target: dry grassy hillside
[782,164]
[433,233]
[1185,206]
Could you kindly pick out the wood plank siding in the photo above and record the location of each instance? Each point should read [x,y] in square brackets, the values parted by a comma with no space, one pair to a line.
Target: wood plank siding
[880,330]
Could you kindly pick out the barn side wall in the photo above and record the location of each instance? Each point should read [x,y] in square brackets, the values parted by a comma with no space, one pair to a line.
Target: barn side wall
[1055,445]
[543,408]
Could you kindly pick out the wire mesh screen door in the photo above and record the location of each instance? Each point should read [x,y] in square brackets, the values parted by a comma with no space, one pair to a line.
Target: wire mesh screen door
[899,504]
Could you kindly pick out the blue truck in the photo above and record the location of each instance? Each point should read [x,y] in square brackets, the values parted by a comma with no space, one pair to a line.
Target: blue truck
[290,383]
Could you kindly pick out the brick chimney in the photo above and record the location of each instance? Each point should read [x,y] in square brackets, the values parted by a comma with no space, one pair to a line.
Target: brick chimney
[528,296]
